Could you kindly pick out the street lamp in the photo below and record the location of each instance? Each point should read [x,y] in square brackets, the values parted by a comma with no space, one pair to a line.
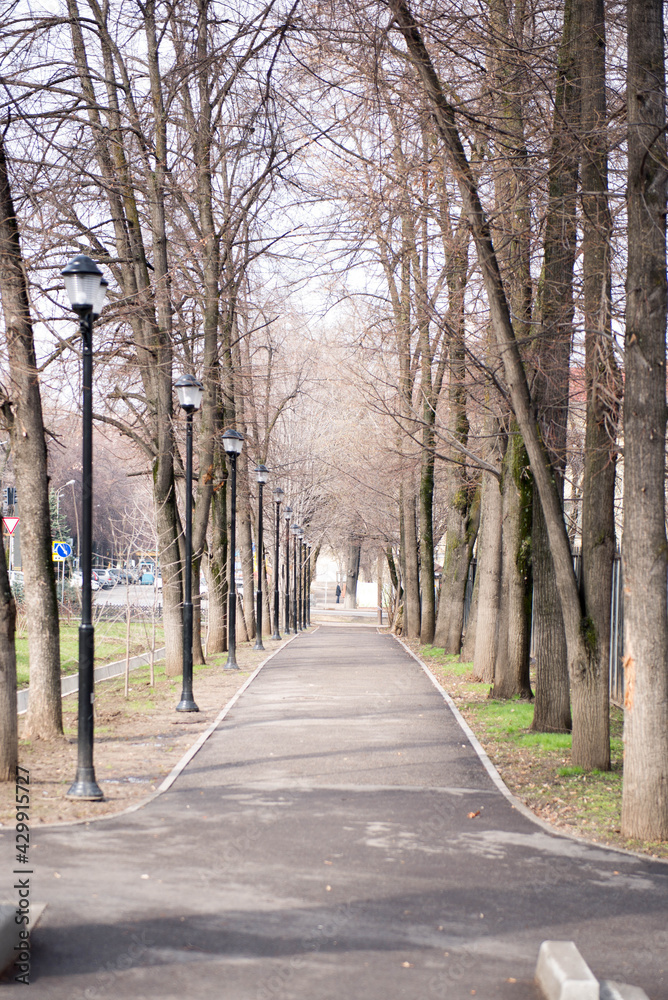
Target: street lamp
[302,619]
[86,290]
[262,474]
[278,494]
[309,546]
[287,513]
[295,529]
[189,391]
[233,442]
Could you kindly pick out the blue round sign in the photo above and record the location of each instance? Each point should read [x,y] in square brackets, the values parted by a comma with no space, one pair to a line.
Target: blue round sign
[62,549]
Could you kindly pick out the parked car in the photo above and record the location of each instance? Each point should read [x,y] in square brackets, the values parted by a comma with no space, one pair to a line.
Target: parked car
[77,580]
[106,579]
[147,579]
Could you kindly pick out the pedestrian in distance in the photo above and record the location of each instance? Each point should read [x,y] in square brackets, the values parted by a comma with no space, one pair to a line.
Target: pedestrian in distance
[338,593]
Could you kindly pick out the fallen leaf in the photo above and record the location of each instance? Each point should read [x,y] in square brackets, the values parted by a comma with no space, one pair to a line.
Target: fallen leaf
[406,965]
[473,815]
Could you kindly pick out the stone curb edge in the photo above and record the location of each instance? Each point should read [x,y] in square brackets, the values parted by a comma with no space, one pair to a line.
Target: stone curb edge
[187,757]
[9,931]
[563,974]
[203,737]
[500,783]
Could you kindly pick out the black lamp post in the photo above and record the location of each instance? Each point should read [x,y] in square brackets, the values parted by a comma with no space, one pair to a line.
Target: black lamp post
[309,546]
[262,473]
[233,442]
[287,514]
[294,528]
[278,493]
[302,588]
[86,289]
[190,391]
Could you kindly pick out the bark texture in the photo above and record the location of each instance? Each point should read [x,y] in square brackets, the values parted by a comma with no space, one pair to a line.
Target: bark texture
[511,671]
[22,409]
[645,795]
[550,387]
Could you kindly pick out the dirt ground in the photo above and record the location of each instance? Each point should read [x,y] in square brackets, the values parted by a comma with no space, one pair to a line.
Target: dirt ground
[138,740]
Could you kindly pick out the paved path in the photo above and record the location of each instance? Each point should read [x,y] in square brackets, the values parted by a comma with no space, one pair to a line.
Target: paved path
[318,847]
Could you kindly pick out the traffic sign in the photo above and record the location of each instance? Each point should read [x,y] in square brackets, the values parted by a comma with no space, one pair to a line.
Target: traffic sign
[10,523]
[61,551]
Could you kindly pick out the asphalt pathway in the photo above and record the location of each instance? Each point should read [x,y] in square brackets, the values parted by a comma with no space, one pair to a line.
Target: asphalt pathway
[321,846]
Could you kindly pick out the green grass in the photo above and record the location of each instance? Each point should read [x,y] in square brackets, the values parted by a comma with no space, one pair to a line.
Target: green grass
[512,720]
[109,646]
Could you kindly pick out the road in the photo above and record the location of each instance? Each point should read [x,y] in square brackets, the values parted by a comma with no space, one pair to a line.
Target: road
[336,837]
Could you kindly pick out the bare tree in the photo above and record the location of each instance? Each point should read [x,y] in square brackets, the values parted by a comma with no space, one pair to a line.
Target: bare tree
[22,413]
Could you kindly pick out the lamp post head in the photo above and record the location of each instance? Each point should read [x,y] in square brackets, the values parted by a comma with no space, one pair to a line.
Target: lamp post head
[233,441]
[295,529]
[71,482]
[85,285]
[190,391]
[287,512]
[262,473]
[278,494]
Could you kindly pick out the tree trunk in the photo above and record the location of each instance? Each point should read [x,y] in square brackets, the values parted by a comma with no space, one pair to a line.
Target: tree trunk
[23,415]
[412,572]
[461,531]
[645,794]
[488,572]
[601,377]
[9,746]
[550,388]
[245,537]
[468,645]
[511,672]
[552,710]
[575,620]
[217,566]
[427,622]
[352,572]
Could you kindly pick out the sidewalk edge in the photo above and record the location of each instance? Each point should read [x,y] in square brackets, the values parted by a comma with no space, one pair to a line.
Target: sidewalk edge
[500,784]
[185,759]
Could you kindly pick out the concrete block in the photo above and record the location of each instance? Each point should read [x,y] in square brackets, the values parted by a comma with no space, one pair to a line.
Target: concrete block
[621,991]
[9,930]
[563,974]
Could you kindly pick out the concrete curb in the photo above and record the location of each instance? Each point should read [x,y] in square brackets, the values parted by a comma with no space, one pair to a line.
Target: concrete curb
[70,683]
[621,991]
[500,783]
[563,974]
[10,931]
